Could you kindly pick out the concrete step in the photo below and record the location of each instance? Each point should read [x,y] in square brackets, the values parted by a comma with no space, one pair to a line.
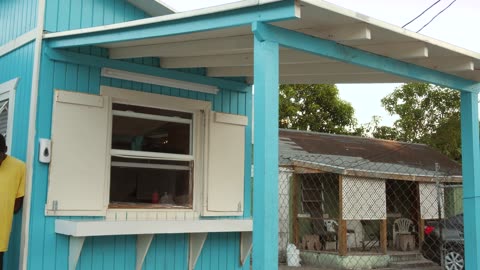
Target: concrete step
[413,264]
[406,257]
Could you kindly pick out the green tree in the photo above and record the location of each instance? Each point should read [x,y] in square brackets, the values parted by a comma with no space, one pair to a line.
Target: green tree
[427,114]
[315,107]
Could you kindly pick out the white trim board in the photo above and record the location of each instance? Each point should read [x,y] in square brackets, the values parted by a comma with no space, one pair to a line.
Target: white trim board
[104,228]
[18,42]
[8,86]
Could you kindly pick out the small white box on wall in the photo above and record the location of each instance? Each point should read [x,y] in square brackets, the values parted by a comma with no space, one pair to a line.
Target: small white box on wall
[45,151]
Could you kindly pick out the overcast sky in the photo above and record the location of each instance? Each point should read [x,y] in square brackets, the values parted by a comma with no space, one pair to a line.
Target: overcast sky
[457,25]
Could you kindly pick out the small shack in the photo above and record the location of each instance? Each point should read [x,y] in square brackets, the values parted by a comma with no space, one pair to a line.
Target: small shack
[345,199]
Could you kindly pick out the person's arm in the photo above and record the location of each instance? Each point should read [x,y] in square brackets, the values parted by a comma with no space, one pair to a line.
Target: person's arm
[18,205]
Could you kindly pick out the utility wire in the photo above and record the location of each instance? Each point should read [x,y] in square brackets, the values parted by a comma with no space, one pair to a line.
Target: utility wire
[436,15]
[421,13]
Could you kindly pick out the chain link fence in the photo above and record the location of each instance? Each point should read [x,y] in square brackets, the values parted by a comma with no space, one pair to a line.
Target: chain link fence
[373,212]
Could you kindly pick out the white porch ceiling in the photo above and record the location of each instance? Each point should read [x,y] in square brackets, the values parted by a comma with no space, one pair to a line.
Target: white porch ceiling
[229,52]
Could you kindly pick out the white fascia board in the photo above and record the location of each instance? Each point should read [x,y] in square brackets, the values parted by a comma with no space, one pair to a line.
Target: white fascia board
[153,7]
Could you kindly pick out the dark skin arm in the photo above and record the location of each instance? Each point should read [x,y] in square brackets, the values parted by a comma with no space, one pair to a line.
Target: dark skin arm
[18,205]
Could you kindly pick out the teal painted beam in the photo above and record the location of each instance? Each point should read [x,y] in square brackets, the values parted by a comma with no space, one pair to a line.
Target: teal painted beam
[100,62]
[281,10]
[471,178]
[333,50]
[265,184]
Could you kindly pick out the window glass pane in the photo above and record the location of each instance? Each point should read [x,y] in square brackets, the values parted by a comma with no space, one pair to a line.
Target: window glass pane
[151,130]
[150,184]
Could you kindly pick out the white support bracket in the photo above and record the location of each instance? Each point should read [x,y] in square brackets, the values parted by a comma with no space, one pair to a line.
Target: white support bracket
[143,244]
[197,240]
[76,245]
[246,244]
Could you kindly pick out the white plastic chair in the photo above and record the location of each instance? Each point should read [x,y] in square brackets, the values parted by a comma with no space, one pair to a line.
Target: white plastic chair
[401,226]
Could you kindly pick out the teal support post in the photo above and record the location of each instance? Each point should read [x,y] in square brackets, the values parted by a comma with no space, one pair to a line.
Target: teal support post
[471,178]
[265,184]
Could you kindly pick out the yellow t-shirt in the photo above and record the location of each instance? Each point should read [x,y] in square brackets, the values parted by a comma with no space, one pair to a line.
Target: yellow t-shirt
[12,186]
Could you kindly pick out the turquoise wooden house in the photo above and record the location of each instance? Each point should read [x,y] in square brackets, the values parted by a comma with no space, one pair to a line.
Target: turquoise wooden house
[136,123]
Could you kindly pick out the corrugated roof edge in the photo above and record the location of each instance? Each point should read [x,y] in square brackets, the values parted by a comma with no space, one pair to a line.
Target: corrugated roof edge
[391,27]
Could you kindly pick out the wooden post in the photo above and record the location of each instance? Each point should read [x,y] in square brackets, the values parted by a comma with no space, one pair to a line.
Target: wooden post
[342,224]
[295,208]
[383,236]
[421,231]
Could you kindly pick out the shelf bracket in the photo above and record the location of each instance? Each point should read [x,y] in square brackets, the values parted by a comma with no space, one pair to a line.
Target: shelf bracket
[143,244]
[75,246]
[197,240]
[246,244]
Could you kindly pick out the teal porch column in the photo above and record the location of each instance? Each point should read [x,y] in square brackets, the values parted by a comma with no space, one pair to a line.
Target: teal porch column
[265,186]
[471,178]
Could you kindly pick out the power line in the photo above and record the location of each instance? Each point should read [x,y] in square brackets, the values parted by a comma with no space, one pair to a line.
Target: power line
[421,13]
[436,15]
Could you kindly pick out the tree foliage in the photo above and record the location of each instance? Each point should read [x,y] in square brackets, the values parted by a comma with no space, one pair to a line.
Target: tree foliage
[315,107]
[427,114]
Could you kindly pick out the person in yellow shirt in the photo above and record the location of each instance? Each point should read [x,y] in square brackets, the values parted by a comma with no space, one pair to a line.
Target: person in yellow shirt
[12,190]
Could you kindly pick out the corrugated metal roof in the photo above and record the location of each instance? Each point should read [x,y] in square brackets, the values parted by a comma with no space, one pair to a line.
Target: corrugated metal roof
[368,157]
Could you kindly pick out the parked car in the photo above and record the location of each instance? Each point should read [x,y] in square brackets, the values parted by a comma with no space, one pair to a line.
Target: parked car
[445,236]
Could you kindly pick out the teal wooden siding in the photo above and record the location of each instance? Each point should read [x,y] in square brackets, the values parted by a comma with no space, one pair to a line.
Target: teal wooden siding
[17,17]
[18,64]
[47,250]
[62,15]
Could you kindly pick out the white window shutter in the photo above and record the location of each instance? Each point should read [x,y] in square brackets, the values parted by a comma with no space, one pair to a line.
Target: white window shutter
[226,165]
[79,166]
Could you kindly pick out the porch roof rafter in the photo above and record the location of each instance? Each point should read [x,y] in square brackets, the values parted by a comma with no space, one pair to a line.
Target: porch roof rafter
[331,49]
[100,62]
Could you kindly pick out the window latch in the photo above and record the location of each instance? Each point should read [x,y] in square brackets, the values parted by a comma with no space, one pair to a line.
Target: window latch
[239,209]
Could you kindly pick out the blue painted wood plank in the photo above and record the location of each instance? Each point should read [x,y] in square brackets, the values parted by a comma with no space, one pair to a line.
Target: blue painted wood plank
[63,14]
[76,13]
[281,10]
[119,10]
[119,252]
[161,251]
[265,190]
[98,8]
[226,102]
[109,13]
[87,13]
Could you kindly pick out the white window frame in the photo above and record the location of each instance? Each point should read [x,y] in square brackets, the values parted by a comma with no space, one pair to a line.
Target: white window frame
[199,110]
[7,93]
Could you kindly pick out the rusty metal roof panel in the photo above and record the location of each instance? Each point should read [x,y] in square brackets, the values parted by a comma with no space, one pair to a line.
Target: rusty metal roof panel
[368,155]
